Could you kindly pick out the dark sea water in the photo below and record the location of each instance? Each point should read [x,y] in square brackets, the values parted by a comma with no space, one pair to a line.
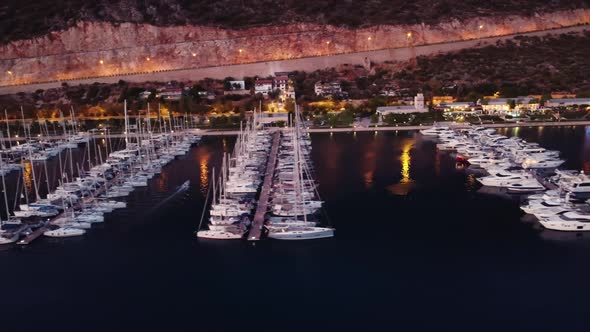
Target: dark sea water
[417,247]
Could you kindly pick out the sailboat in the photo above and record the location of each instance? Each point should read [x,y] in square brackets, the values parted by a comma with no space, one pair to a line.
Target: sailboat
[297,189]
[6,235]
[221,226]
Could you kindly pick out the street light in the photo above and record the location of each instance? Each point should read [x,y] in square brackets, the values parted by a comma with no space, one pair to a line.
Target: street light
[9,72]
[327,42]
[101,62]
[369,38]
[409,34]
[194,54]
[148,59]
[480,26]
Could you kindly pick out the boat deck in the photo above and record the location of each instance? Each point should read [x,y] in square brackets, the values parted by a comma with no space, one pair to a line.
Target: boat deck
[262,208]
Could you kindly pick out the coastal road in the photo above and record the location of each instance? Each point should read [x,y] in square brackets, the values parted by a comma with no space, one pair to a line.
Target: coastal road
[305,64]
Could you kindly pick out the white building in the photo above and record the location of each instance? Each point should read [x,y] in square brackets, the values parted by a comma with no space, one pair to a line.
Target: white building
[325,89]
[564,102]
[145,95]
[170,93]
[502,105]
[281,83]
[419,103]
[263,86]
[458,106]
[237,85]
[418,107]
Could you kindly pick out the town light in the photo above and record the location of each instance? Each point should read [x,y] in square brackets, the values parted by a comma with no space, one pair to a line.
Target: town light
[327,42]
[240,50]
[480,26]
[101,62]
[194,54]
[369,38]
[9,72]
[148,59]
[409,34]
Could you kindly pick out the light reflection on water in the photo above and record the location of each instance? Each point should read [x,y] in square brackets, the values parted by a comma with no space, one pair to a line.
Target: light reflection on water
[406,183]
[369,168]
[28,177]
[204,170]
[406,161]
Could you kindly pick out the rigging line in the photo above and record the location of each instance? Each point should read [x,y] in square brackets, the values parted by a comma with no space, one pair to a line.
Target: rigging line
[205,205]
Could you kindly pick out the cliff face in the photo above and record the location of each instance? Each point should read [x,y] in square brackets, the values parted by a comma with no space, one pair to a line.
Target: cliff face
[94,49]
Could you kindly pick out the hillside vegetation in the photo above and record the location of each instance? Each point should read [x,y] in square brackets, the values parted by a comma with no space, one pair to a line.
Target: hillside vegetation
[24,19]
[528,65]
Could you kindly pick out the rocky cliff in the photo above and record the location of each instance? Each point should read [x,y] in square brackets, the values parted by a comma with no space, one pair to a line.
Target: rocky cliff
[94,49]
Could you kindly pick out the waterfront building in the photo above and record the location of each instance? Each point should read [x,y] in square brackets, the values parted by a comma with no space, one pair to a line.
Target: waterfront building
[417,107]
[509,105]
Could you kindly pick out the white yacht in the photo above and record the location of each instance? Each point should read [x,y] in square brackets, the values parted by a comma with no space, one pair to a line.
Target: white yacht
[504,179]
[525,186]
[567,221]
[65,232]
[301,233]
[220,235]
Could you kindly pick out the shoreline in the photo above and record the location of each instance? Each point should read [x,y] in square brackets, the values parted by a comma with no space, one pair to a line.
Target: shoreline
[234,132]
[412,128]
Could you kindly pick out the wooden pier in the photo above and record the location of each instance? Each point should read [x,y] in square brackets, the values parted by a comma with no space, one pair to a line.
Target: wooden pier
[33,236]
[262,208]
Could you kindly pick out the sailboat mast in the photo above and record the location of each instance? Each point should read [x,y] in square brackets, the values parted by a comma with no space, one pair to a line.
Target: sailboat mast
[126,124]
[8,129]
[30,155]
[4,192]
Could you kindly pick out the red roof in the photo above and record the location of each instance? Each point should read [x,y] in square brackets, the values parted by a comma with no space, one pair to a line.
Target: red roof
[281,78]
[258,82]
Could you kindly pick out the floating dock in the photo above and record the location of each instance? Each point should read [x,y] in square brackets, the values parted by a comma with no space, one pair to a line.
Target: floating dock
[33,236]
[262,208]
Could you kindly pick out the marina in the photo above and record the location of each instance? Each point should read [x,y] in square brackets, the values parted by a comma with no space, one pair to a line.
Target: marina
[266,187]
[84,194]
[557,198]
[399,186]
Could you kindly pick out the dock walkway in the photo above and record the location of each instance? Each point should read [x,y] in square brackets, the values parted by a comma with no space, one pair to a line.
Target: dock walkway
[261,209]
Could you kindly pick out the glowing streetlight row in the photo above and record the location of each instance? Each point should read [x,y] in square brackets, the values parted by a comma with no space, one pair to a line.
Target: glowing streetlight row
[102,62]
